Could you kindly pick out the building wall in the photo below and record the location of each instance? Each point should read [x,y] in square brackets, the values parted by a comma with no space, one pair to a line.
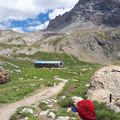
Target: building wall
[55,65]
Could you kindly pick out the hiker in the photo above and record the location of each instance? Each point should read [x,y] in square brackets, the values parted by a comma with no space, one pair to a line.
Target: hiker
[85,109]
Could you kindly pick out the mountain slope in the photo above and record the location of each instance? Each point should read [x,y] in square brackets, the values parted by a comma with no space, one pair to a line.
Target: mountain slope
[94,12]
[98,44]
[90,31]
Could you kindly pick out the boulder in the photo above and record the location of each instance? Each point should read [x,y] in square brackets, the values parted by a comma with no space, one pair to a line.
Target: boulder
[28,110]
[106,83]
[4,76]
[44,113]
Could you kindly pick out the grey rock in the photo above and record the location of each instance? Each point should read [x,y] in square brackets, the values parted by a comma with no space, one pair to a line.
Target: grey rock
[52,115]
[4,76]
[43,113]
[28,110]
[25,118]
[105,82]
[99,12]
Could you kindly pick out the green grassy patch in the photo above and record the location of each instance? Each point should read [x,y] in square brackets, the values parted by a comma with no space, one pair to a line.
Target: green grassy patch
[25,78]
[77,73]
[104,113]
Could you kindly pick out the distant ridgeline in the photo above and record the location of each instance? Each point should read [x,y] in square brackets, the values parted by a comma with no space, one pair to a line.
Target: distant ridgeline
[48,64]
[97,12]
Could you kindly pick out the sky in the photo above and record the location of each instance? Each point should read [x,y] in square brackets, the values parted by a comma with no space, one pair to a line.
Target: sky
[31,15]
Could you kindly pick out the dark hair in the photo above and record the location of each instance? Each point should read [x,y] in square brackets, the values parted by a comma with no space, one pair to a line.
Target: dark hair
[71,104]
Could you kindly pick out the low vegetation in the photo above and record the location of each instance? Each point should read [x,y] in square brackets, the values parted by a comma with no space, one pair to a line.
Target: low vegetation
[26,79]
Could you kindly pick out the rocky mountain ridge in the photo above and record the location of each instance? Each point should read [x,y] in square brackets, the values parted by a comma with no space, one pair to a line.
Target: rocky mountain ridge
[94,12]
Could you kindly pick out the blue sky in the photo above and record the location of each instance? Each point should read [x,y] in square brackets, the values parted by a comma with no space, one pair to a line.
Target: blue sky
[31,15]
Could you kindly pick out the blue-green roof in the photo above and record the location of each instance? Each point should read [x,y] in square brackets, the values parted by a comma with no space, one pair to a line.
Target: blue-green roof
[47,62]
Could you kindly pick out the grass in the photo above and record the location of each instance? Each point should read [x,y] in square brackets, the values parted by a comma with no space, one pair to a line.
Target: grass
[104,113]
[26,79]
[77,86]
[52,56]
[3,45]
[30,79]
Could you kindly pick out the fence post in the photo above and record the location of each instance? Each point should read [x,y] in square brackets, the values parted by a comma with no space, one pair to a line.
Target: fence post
[110,98]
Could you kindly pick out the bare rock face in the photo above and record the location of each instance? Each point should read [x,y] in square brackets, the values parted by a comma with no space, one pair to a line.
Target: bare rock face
[98,12]
[106,81]
[4,76]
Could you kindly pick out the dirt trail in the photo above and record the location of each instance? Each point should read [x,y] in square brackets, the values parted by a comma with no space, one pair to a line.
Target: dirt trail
[8,109]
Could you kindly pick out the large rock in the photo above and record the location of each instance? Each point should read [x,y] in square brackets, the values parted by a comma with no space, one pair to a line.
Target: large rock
[106,81]
[4,76]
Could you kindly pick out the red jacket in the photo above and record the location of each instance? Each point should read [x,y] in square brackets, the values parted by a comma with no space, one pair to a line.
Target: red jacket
[86,110]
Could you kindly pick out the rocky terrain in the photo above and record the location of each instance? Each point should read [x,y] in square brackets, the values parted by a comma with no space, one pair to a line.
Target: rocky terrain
[49,114]
[98,44]
[4,76]
[106,81]
[90,31]
[93,34]
[89,13]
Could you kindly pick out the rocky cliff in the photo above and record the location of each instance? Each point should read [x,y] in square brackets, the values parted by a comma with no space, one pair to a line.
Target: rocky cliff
[94,12]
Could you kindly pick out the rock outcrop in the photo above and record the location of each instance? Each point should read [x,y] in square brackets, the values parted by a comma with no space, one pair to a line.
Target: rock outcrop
[4,76]
[106,81]
[97,12]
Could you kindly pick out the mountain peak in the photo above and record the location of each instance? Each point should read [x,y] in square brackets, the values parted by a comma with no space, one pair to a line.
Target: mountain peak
[98,12]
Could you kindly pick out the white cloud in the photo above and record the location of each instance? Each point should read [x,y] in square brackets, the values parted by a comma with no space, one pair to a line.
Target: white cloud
[38,27]
[17,29]
[2,27]
[34,22]
[23,9]
[57,12]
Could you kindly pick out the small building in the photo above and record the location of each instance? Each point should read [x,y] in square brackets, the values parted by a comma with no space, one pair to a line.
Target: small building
[48,64]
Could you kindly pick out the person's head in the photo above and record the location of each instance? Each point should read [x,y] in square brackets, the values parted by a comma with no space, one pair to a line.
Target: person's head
[85,109]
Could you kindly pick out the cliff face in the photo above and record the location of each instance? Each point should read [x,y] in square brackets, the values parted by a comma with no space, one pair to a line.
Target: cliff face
[97,12]
[93,32]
